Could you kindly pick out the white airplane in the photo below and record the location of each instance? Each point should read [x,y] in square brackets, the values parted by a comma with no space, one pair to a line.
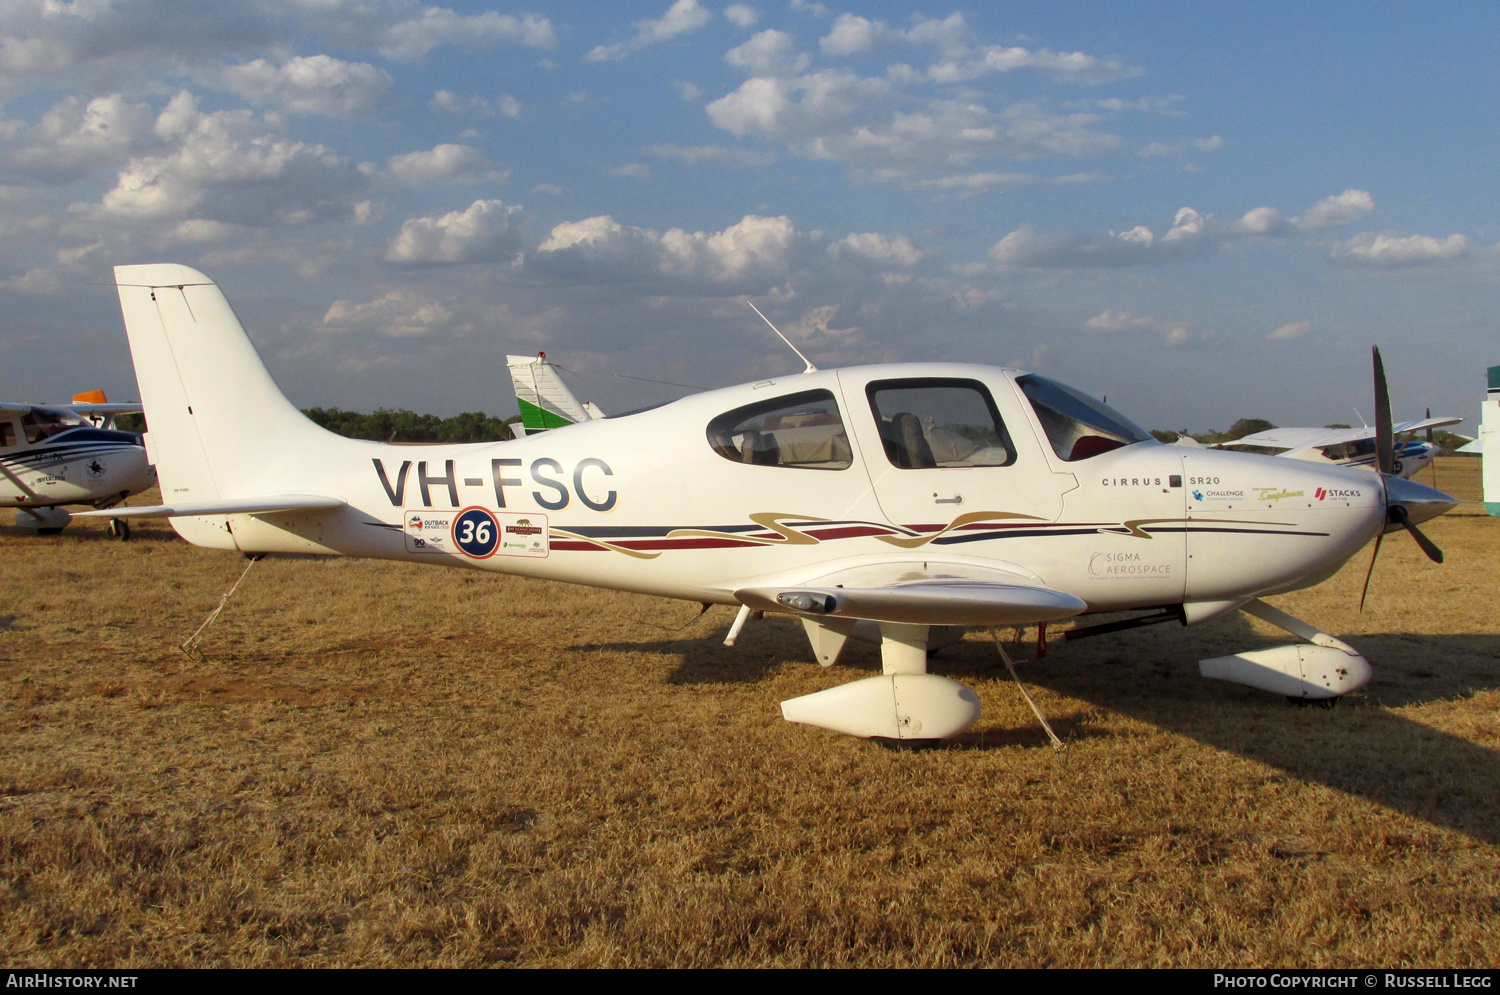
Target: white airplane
[895,499]
[545,401]
[1489,439]
[61,454]
[1352,446]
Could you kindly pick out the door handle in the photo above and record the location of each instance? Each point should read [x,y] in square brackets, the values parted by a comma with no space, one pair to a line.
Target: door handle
[955,499]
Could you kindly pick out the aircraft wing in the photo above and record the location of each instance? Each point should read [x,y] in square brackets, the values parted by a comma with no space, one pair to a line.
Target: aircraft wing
[1316,438]
[921,603]
[263,505]
[1416,426]
[112,408]
[1299,438]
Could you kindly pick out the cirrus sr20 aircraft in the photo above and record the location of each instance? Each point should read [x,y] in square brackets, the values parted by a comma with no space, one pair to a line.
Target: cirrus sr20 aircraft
[895,501]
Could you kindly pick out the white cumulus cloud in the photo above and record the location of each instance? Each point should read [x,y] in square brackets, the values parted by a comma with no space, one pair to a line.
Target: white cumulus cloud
[75,138]
[1192,234]
[1389,250]
[487,231]
[741,15]
[1294,330]
[1171,332]
[682,17]
[446,163]
[746,257]
[399,314]
[1336,211]
[233,167]
[411,39]
[768,53]
[317,84]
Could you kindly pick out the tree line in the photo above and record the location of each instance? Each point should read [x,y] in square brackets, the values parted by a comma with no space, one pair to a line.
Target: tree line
[400,425]
[390,425]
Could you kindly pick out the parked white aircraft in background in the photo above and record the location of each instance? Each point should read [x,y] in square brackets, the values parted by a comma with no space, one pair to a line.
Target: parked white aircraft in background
[545,401]
[1489,440]
[899,498]
[1352,446]
[61,454]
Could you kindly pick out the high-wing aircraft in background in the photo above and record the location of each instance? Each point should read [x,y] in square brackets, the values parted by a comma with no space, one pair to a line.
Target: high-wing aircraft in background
[63,454]
[1352,446]
[898,499]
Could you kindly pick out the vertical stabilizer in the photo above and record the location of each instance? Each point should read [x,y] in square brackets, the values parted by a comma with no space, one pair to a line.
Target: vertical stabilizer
[218,426]
[545,401]
[1489,440]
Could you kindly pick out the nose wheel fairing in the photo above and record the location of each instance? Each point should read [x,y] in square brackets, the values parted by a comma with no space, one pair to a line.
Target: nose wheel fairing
[1323,668]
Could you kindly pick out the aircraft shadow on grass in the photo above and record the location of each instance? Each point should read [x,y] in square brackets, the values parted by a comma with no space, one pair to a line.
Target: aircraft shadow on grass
[1361,748]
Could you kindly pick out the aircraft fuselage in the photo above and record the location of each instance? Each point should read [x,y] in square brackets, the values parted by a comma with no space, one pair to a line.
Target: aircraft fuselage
[651,502]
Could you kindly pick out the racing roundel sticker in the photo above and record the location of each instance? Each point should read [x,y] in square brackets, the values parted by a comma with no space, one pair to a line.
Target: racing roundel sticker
[476,533]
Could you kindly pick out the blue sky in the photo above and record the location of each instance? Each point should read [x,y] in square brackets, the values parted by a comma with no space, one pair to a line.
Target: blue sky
[1202,211]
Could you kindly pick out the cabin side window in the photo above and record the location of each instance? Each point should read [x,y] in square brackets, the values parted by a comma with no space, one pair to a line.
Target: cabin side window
[43,423]
[1077,425]
[931,423]
[7,434]
[799,430]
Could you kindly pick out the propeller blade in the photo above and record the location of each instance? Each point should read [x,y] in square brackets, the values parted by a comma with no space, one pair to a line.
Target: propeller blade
[1428,546]
[1429,431]
[1379,536]
[1398,515]
[1385,448]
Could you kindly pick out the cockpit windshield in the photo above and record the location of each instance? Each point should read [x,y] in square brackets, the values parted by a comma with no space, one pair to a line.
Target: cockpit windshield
[1077,425]
[44,423]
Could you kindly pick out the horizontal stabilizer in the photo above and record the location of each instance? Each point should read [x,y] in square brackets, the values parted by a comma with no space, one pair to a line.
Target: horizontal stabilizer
[264,505]
[925,603]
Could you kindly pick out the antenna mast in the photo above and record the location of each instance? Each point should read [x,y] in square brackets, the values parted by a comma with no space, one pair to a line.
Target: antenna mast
[810,367]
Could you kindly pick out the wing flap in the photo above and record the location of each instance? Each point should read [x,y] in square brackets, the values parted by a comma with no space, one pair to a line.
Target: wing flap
[922,603]
[263,505]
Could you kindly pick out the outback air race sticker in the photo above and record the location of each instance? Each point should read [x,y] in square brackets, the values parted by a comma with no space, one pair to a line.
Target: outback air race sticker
[428,531]
[475,532]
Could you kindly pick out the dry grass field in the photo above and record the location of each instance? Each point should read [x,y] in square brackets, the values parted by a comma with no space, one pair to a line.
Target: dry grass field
[383,765]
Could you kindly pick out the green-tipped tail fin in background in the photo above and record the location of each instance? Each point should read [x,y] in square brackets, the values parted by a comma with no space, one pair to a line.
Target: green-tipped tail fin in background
[545,401]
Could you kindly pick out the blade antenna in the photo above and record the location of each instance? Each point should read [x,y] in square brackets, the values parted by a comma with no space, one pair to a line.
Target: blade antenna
[810,367]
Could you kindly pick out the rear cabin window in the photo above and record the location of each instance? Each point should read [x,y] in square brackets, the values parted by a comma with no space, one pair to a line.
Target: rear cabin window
[1077,425]
[932,423]
[7,434]
[799,430]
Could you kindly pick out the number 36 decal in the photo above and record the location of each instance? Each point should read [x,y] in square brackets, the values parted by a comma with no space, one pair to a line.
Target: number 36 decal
[476,532]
